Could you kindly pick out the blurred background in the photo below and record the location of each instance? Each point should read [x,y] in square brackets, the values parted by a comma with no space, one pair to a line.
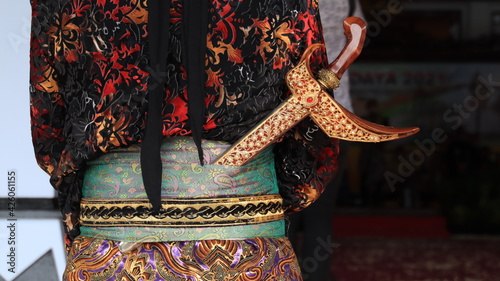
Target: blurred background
[423,208]
[432,64]
[426,207]
[435,65]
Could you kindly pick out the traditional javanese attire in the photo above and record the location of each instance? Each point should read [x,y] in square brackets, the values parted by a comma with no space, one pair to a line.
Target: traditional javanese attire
[118,98]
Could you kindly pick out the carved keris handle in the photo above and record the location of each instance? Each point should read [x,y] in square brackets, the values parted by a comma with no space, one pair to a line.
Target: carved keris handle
[355,32]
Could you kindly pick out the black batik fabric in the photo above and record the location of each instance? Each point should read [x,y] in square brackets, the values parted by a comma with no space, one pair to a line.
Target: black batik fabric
[89,84]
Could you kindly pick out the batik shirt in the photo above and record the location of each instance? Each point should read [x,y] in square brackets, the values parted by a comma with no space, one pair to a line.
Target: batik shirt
[89,85]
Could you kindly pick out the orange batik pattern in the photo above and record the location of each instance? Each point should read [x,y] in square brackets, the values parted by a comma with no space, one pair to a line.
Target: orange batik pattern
[95,259]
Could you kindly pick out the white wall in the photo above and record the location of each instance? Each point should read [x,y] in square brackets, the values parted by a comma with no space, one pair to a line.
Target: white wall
[16,151]
[33,236]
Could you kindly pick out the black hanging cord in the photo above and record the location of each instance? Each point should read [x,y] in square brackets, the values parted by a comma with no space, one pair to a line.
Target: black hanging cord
[352,8]
[158,29]
[195,18]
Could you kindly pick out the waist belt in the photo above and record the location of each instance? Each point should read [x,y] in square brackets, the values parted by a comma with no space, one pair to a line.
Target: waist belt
[182,212]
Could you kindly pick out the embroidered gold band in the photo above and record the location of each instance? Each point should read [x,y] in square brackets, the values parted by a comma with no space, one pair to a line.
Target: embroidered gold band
[328,79]
[192,212]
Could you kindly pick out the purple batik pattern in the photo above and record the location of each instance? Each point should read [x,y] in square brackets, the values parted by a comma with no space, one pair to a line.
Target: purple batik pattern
[94,259]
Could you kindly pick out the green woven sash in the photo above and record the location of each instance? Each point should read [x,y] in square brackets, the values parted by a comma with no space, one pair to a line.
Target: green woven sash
[117,176]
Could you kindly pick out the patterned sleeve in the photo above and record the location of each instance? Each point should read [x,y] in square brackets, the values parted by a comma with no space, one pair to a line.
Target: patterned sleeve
[46,103]
[306,159]
[48,109]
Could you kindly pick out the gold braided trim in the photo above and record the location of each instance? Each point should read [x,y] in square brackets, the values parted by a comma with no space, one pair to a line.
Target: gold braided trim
[189,212]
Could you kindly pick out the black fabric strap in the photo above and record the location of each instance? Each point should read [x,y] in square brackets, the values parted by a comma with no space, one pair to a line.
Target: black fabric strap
[158,28]
[352,8]
[195,18]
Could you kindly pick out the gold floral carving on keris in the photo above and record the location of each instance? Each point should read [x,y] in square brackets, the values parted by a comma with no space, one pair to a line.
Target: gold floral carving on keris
[308,99]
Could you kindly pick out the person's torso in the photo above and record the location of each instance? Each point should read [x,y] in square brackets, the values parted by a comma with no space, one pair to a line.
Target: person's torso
[102,57]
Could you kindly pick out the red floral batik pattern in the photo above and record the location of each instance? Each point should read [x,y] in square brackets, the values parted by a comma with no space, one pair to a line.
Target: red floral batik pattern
[89,85]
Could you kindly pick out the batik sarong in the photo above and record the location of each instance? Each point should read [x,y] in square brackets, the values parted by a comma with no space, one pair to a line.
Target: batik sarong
[248,251]
[94,259]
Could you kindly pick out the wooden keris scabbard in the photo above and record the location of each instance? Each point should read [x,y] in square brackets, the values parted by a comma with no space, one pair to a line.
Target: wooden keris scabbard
[309,98]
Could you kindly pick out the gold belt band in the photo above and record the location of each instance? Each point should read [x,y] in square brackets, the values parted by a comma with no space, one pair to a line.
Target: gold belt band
[180,212]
